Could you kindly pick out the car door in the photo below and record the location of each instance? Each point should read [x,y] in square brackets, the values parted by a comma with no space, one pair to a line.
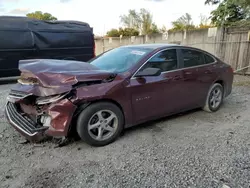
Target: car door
[193,67]
[154,96]
[207,74]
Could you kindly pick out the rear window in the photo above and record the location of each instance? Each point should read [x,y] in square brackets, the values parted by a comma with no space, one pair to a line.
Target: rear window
[209,59]
[192,58]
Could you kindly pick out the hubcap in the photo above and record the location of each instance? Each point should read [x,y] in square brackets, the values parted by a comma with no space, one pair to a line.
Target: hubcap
[216,97]
[102,125]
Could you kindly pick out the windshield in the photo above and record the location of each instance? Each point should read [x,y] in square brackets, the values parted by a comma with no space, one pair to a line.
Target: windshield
[120,59]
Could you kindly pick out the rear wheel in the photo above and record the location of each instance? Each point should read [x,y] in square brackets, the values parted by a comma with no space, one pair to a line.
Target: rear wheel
[100,123]
[214,98]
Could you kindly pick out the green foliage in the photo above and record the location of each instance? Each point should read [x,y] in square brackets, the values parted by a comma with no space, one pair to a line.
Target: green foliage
[202,26]
[229,12]
[127,32]
[163,29]
[242,3]
[141,21]
[204,22]
[146,22]
[241,23]
[113,33]
[154,29]
[41,16]
[212,2]
[183,23]
[131,20]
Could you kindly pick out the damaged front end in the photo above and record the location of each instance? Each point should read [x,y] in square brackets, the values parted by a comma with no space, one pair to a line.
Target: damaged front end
[42,103]
[39,117]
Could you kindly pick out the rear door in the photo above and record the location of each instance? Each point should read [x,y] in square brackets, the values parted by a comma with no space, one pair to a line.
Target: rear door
[207,74]
[192,62]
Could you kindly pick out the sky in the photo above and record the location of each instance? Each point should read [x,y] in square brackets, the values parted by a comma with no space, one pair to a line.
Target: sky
[104,15]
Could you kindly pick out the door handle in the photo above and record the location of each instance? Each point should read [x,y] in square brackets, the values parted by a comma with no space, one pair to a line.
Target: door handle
[176,78]
[208,72]
[188,73]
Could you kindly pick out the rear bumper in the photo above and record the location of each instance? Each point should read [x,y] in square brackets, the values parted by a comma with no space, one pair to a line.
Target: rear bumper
[229,85]
[23,124]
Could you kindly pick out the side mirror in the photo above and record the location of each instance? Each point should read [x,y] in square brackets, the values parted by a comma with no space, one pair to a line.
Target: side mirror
[149,72]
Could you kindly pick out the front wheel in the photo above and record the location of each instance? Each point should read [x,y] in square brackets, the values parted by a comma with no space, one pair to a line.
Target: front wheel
[214,98]
[100,123]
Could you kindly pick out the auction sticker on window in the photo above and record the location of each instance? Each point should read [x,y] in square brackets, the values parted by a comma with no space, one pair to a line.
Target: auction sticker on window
[137,52]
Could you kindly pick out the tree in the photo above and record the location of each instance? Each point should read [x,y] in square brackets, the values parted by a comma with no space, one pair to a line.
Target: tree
[41,16]
[127,32]
[146,22]
[243,3]
[229,11]
[141,21]
[163,29]
[154,29]
[212,2]
[113,33]
[204,22]
[132,20]
[183,23]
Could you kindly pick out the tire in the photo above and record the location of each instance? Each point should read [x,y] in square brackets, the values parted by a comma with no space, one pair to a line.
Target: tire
[95,112]
[209,105]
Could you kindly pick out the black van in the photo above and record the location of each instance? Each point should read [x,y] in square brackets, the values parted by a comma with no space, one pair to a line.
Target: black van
[24,38]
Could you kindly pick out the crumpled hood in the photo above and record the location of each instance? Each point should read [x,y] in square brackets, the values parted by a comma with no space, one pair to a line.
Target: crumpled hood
[44,77]
[55,73]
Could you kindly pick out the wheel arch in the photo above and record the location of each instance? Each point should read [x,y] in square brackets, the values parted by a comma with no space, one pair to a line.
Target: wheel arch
[223,84]
[110,101]
[206,106]
[84,105]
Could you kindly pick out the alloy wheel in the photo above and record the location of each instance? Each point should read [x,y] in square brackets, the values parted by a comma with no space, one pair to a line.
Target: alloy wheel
[102,125]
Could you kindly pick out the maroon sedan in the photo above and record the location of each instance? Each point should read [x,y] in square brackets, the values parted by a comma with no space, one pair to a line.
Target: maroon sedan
[118,89]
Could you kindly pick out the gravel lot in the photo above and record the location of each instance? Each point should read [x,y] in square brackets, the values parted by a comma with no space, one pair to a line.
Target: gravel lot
[195,149]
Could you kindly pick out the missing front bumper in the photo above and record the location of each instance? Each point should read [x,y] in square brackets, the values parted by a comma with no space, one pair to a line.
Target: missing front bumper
[61,114]
[23,124]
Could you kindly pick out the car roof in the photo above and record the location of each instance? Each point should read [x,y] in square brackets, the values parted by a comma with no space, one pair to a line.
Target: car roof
[156,46]
[151,46]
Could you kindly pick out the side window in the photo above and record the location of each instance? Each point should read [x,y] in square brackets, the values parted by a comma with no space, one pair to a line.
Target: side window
[192,58]
[209,59]
[165,60]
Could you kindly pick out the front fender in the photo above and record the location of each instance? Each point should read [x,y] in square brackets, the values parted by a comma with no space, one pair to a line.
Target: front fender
[61,114]
[113,92]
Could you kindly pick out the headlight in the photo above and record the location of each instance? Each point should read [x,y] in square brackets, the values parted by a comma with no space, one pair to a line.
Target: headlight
[45,120]
[49,99]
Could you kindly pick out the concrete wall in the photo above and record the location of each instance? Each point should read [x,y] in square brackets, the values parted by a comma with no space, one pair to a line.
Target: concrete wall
[231,44]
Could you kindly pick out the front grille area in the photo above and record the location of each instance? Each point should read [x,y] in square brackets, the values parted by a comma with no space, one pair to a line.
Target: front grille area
[21,121]
[18,94]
